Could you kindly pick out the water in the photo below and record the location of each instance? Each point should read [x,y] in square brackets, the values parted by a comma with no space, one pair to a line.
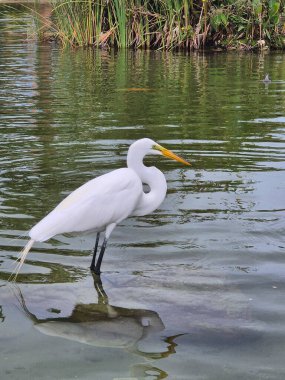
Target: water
[192,291]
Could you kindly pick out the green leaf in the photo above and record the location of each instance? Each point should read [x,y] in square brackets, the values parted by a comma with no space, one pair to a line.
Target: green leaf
[273,8]
[257,7]
[224,19]
[216,21]
[275,19]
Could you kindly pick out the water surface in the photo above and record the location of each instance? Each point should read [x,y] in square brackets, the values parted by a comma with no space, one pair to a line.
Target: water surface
[192,291]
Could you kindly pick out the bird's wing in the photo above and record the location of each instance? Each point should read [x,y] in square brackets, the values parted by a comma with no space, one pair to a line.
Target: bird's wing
[107,199]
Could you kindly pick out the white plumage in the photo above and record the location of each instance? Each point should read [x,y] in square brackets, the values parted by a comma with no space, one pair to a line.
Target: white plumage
[92,205]
[100,204]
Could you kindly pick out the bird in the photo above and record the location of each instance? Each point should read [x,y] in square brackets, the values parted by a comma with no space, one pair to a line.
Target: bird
[102,203]
[266,79]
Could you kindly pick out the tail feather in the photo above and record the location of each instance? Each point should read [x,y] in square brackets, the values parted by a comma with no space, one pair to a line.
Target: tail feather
[21,259]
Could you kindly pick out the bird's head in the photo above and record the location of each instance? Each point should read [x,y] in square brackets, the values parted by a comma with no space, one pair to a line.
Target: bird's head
[148,146]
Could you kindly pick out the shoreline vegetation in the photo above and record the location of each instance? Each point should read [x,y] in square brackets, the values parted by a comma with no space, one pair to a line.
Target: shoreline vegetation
[163,24]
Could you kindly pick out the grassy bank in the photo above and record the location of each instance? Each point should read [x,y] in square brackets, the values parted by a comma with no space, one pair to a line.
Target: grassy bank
[168,24]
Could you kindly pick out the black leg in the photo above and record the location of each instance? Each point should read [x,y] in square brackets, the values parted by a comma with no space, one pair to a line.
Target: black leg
[92,266]
[100,258]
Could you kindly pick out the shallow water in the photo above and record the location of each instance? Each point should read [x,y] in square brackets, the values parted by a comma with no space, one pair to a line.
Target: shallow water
[192,291]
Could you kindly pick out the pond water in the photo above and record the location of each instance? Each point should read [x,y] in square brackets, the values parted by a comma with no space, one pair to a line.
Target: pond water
[194,290]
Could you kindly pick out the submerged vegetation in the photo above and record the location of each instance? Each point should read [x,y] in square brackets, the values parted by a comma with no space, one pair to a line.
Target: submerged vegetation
[167,24]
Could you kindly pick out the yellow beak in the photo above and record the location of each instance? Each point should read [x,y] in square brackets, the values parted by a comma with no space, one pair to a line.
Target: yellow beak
[169,154]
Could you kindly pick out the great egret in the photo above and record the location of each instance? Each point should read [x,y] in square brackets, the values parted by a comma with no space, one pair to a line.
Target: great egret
[266,79]
[100,204]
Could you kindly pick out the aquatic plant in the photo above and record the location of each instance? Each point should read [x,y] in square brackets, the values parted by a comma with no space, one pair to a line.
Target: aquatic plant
[168,24]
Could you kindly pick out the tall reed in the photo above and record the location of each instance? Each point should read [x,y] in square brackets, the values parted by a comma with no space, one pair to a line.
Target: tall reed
[169,24]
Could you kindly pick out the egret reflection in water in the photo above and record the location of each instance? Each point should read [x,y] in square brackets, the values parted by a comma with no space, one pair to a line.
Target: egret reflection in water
[103,325]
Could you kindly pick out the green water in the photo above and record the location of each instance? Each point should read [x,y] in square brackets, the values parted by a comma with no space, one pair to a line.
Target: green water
[192,291]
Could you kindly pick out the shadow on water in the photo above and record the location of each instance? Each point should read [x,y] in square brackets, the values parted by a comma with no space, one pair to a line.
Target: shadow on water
[199,320]
[103,325]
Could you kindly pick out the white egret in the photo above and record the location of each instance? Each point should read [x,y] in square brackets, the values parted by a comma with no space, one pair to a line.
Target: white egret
[266,79]
[103,202]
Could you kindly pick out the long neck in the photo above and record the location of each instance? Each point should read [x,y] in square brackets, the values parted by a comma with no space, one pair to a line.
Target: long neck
[150,176]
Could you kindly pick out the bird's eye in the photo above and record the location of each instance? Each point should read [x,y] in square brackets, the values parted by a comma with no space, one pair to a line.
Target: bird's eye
[156,147]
